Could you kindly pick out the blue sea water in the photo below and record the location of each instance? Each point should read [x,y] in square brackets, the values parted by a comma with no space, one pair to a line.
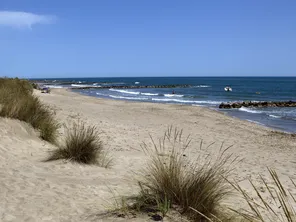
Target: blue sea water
[204,91]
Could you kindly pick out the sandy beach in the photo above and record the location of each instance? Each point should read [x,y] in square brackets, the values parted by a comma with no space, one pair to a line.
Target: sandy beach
[33,190]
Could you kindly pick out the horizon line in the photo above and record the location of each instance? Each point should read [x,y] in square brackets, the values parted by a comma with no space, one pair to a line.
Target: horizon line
[89,77]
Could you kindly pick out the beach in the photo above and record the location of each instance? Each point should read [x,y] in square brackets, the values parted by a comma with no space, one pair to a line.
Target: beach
[33,190]
[198,91]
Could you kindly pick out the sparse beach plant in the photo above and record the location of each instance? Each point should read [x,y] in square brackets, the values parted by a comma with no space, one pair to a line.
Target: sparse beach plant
[194,188]
[18,102]
[272,203]
[82,145]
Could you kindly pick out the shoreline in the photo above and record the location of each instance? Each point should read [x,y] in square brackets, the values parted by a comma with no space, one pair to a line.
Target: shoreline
[221,111]
[209,92]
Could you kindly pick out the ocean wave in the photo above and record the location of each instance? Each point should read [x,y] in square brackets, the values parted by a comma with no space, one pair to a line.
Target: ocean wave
[186,101]
[150,94]
[54,86]
[198,105]
[80,85]
[113,83]
[173,95]
[201,86]
[129,98]
[124,91]
[244,109]
[274,116]
[253,121]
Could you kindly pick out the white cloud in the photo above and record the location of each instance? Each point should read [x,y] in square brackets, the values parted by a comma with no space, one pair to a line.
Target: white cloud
[18,19]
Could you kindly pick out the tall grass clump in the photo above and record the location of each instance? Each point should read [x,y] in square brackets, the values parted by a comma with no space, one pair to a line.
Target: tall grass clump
[16,85]
[194,188]
[18,102]
[272,204]
[82,145]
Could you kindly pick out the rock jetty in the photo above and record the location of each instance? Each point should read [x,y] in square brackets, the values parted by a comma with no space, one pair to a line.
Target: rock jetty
[257,104]
[132,86]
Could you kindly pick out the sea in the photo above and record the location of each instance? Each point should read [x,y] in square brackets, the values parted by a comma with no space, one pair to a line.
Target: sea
[203,91]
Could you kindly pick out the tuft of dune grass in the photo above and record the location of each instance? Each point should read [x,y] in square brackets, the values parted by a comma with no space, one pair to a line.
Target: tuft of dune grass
[18,102]
[16,85]
[82,145]
[194,188]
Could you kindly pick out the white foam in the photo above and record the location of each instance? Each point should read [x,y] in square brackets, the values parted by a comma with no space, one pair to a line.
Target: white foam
[173,95]
[80,85]
[244,109]
[149,94]
[198,105]
[274,116]
[54,86]
[201,86]
[186,101]
[130,98]
[114,83]
[124,91]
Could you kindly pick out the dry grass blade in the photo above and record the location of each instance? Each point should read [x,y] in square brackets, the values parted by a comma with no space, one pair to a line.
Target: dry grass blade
[280,209]
[201,214]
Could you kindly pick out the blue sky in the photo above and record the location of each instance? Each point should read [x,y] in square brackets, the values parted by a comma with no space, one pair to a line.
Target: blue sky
[106,38]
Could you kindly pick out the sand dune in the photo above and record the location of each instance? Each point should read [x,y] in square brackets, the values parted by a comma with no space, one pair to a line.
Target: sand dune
[33,190]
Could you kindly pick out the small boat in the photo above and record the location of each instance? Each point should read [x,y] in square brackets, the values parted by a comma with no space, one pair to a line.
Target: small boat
[137,82]
[228,89]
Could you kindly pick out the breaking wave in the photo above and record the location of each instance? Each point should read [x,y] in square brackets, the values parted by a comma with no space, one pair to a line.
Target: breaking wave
[201,86]
[54,86]
[244,109]
[124,91]
[173,95]
[129,98]
[186,101]
[150,94]
[274,116]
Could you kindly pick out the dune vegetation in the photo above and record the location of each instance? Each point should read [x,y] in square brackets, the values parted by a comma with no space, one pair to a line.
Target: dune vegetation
[271,202]
[82,145]
[197,189]
[170,180]
[18,102]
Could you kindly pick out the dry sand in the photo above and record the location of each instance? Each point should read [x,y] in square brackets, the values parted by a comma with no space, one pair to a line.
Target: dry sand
[32,190]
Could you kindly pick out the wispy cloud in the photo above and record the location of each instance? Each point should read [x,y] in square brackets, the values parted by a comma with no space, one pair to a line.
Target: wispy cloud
[19,19]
